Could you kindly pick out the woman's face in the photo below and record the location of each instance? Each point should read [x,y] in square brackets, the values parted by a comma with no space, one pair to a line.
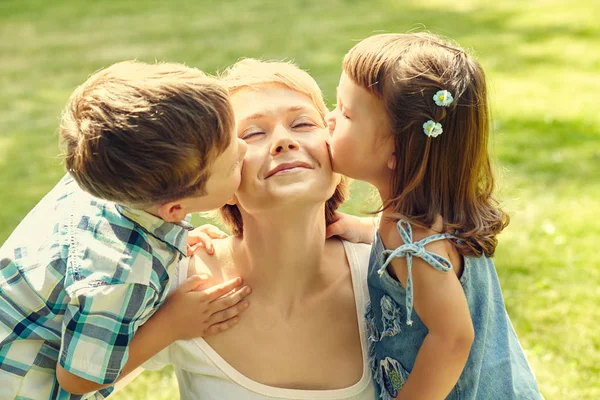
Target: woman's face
[287,158]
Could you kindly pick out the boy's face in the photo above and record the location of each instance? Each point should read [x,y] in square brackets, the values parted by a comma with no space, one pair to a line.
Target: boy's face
[360,141]
[225,175]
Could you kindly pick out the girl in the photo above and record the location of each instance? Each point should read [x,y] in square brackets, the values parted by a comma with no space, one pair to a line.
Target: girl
[412,119]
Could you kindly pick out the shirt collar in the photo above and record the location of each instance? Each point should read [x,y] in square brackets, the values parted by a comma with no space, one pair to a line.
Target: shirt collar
[173,233]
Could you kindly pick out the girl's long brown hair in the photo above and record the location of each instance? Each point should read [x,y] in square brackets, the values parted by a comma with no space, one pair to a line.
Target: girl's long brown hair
[449,175]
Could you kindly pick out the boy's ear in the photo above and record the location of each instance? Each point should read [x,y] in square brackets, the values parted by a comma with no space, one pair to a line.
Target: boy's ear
[172,211]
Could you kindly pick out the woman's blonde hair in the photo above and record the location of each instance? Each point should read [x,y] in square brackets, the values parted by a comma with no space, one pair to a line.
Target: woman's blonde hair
[256,74]
[449,175]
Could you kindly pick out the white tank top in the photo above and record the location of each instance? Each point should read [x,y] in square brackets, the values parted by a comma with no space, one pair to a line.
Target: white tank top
[203,374]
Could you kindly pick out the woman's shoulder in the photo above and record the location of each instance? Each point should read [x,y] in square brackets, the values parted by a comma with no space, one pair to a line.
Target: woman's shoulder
[354,253]
[353,258]
[358,253]
[212,265]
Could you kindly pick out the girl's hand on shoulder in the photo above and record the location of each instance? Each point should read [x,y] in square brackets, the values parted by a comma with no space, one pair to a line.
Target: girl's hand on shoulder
[202,237]
[352,228]
[196,310]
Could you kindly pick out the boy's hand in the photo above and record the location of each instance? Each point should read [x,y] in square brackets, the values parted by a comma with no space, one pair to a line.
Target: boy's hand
[202,237]
[353,229]
[197,311]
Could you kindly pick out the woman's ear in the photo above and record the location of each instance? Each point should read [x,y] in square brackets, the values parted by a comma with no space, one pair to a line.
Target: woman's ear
[338,178]
[233,201]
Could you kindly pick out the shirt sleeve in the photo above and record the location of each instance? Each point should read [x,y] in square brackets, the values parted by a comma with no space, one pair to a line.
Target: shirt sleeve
[98,326]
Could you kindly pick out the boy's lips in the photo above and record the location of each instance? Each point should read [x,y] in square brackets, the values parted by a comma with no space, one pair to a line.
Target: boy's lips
[287,166]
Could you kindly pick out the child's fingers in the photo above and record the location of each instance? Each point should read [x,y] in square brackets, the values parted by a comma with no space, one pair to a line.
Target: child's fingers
[219,290]
[192,283]
[334,229]
[230,299]
[192,248]
[213,231]
[337,215]
[220,327]
[206,241]
[228,313]
[193,238]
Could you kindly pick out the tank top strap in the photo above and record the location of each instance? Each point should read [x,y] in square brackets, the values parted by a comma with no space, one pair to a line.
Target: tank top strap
[409,250]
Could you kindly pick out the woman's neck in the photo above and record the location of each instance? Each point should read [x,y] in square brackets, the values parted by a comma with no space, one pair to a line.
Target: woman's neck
[281,254]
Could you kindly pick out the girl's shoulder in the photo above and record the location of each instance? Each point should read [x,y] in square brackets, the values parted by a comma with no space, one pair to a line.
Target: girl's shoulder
[397,234]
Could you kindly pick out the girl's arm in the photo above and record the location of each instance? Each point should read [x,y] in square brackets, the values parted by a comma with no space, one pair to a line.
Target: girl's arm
[352,228]
[440,302]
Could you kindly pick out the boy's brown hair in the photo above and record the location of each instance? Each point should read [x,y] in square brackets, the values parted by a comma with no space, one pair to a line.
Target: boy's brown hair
[254,74]
[449,175]
[144,134]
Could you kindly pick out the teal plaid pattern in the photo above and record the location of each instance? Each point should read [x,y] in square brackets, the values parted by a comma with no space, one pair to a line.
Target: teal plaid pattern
[78,276]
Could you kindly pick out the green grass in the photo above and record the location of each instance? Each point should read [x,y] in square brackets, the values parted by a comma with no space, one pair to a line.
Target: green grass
[542,60]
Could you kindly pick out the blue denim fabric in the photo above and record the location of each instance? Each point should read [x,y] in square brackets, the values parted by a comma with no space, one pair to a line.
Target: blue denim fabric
[496,368]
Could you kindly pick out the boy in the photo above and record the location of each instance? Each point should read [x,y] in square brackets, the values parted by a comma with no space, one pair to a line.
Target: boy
[145,145]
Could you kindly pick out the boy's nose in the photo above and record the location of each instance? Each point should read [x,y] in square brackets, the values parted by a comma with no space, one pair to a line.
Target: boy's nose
[243,148]
[330,121]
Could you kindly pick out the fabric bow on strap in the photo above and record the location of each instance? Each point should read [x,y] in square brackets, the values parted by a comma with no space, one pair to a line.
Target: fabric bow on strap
[410,250]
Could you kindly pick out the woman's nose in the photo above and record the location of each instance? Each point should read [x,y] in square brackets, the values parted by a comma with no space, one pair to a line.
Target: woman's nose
[283,141]
[284,145]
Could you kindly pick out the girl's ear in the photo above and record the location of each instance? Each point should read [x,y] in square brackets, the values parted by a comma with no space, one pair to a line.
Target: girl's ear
[391,162]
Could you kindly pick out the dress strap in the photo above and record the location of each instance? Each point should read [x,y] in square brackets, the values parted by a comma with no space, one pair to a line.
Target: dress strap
[410,249]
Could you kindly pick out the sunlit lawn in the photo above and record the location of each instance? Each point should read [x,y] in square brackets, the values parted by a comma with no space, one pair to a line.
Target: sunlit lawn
[543,63]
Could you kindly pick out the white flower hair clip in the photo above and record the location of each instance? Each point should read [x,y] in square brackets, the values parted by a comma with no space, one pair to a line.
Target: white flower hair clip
[443,98]
[432,129]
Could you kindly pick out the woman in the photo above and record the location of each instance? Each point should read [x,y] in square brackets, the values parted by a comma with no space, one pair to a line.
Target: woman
[304,336]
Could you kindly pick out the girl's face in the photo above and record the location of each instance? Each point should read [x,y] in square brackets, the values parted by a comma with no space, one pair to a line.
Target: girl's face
[361,146]
[287,159]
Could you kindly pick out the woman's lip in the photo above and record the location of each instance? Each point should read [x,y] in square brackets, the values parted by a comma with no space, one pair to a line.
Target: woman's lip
[288,170]
[287,167]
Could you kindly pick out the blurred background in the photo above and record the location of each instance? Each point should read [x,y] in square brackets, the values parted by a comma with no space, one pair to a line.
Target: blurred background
[543,64]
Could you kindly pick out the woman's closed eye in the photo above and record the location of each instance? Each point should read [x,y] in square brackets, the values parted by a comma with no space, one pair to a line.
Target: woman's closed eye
[251,134]
[304,124]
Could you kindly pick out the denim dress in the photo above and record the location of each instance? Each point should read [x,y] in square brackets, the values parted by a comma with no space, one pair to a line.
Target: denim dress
[496,368]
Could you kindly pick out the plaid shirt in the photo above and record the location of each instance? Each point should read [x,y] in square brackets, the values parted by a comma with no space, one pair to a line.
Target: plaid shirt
[78,276]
